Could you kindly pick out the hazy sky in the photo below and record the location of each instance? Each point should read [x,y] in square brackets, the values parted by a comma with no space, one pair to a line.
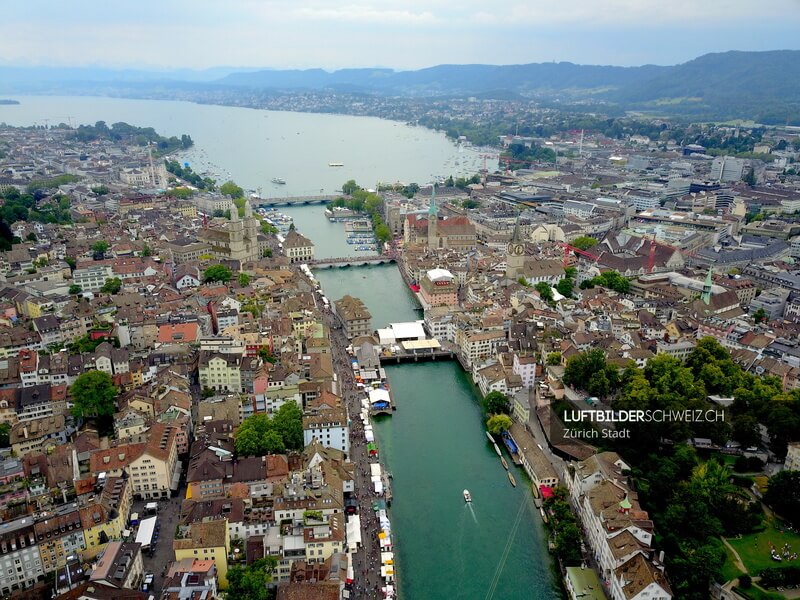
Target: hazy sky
[402,34]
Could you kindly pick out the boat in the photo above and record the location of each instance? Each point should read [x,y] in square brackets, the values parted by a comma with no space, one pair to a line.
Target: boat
[489,435]
[335,164]
[497,449]
[467,496]
[505,464]
[511,479]
[278,180]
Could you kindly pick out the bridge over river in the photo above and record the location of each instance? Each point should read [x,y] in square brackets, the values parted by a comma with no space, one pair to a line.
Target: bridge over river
[295,200]
[351,261]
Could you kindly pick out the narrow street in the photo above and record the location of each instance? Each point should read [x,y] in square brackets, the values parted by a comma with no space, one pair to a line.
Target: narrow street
[366,562]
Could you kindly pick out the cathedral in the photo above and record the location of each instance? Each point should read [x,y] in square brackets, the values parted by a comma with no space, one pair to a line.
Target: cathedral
[435,232]
[238,239]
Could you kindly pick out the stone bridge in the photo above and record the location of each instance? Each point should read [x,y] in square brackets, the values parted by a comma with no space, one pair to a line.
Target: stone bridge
[351,261]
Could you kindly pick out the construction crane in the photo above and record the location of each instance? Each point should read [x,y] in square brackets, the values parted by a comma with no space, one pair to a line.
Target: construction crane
[583,253]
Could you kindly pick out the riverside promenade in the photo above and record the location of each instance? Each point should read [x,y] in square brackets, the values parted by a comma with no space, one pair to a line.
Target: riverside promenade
[366,561]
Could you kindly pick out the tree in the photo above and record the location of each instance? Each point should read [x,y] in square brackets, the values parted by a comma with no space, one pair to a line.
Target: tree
[94,396]
[497,424]
[31,237]
[350,186]
[589,371]
[496,403]
[554,358]
[267,253]
[5,433]
[564,287]
[219,273]
[545,292]
[584,242]
[244,279]
[147,251]
[268,229]
[111,286]
[288,422]
[760,316]
[250,582]
[229,188]
[783,495]
[100,248]
[745,430]
[74,289]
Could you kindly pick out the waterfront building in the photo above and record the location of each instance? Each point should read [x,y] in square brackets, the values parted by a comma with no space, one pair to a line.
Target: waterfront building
[435,232]
[298,248]
[583,583]
[355,317]
[439,288]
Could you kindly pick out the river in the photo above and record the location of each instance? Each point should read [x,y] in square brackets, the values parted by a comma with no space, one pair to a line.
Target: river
[435,446]
[434,443]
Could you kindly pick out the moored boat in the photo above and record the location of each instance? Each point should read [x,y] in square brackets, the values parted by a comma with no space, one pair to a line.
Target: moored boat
[511,479]
[505,464]
[489,435]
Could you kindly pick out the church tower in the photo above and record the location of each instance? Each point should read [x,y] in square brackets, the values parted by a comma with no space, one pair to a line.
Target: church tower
[706,297]
[433,221]
[515,253]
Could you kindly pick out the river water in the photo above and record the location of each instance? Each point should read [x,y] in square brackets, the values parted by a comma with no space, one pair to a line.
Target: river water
[434,444]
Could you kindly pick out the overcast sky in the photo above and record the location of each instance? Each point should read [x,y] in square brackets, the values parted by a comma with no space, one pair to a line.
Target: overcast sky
[403,34]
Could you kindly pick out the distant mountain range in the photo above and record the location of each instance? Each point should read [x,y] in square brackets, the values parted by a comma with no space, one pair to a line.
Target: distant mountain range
[763,86]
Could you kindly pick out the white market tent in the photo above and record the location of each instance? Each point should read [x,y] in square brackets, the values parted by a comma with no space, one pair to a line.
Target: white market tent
[410,330]
[379,395]
[146,529]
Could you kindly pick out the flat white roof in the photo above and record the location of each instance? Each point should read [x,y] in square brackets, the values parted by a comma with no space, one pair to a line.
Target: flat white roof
[439,274]
[421,345]
[378,395]
[407,330]
[146,528]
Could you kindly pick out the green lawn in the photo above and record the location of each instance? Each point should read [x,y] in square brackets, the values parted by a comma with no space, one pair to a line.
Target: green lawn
[729,570]
[756,593]
[754,549]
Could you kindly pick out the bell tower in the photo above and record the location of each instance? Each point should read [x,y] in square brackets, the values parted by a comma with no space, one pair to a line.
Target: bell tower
[515,253]
[433,221]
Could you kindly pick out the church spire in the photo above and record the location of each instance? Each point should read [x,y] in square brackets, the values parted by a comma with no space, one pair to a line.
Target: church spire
[432,210]
[516,238]
[706,297]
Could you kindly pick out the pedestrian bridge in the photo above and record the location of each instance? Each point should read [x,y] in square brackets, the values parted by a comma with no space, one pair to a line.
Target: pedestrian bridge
[296,200]
[350,261]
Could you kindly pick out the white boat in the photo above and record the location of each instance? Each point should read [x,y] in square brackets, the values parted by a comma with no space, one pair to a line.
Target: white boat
[278,180]
[335,164]
[467,497]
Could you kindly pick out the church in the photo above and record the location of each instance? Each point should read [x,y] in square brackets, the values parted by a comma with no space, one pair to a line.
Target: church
[433,231]
[238,239]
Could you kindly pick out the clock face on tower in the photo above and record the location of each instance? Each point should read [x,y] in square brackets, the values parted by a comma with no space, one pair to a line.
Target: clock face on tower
[515,249]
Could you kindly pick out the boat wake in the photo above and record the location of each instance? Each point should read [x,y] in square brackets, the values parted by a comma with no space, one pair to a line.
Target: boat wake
[472,512]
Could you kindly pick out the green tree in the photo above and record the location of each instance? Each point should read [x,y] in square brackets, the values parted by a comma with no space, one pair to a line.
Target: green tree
[273,442]
[31,237]
[250,582]
[94,396]
[496,403]
[590,372]
[244,279]
[554,358]
[383,233]
[249,438]
[350,186]
[100,248]
[760,316]
[267,253]
[584,242]
[147,251]
[545,292]
[74,289]
[219,273]
[268,229]
[5,434]
[497,424]
[745,430]
[288,422]
[783,495]
[229,188]
[564,287]
[111,286]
